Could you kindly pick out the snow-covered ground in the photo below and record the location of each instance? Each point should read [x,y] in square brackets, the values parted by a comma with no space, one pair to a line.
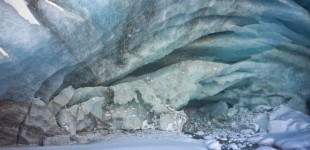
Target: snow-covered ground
[286,129]
[135,141]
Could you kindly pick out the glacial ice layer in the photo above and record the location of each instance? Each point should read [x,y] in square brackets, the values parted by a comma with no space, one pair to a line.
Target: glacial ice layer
[131,65]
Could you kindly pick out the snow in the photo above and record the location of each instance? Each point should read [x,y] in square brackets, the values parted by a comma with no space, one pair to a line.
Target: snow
[154,141]
[169,143]
[200,133]
[285,119]
[55,5]
[21,7]
[288,140]
[288,129]
[295,138]
[3,52]
[265,148]
[212,145]
[233,146]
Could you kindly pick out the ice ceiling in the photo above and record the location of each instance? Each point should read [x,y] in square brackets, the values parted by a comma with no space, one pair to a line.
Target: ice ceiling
[148,59]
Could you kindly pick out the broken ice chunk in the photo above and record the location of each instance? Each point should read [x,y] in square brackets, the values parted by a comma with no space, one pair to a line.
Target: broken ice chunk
[261,108]
[78,117]
[172,121]
[286,119]
[61,100]
[212,145]
[219,109]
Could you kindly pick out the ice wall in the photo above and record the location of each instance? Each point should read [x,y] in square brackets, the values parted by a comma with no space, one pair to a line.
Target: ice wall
[98,43]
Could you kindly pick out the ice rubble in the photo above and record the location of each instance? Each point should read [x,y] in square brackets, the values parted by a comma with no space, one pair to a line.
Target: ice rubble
[288,137]
[145,98]
[281,127]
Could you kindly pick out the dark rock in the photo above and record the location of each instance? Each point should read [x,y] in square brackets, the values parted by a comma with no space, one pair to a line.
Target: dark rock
[39,124]
[11,117]
[57,140]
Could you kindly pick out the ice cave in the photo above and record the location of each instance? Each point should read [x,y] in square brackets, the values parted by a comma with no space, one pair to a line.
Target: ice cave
[154,74]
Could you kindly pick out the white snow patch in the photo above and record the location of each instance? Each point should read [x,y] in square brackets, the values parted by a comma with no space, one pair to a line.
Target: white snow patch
[55,5]
[200,133]
[233,146]
[289,140]
[265,148]
[21,7]
[212,145]
[2,51]
[286,119]
[289,129]
[153,141]
[145,125]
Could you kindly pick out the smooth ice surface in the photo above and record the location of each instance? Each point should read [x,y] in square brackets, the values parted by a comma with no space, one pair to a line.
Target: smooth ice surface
[265,148]
[166,141]
[287,120]
[288,129]
[289,140]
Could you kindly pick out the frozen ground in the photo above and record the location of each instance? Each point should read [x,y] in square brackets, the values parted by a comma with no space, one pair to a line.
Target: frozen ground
[147,140]
[286,129]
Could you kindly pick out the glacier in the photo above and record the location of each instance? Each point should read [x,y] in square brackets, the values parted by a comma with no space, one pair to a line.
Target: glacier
[69,67]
